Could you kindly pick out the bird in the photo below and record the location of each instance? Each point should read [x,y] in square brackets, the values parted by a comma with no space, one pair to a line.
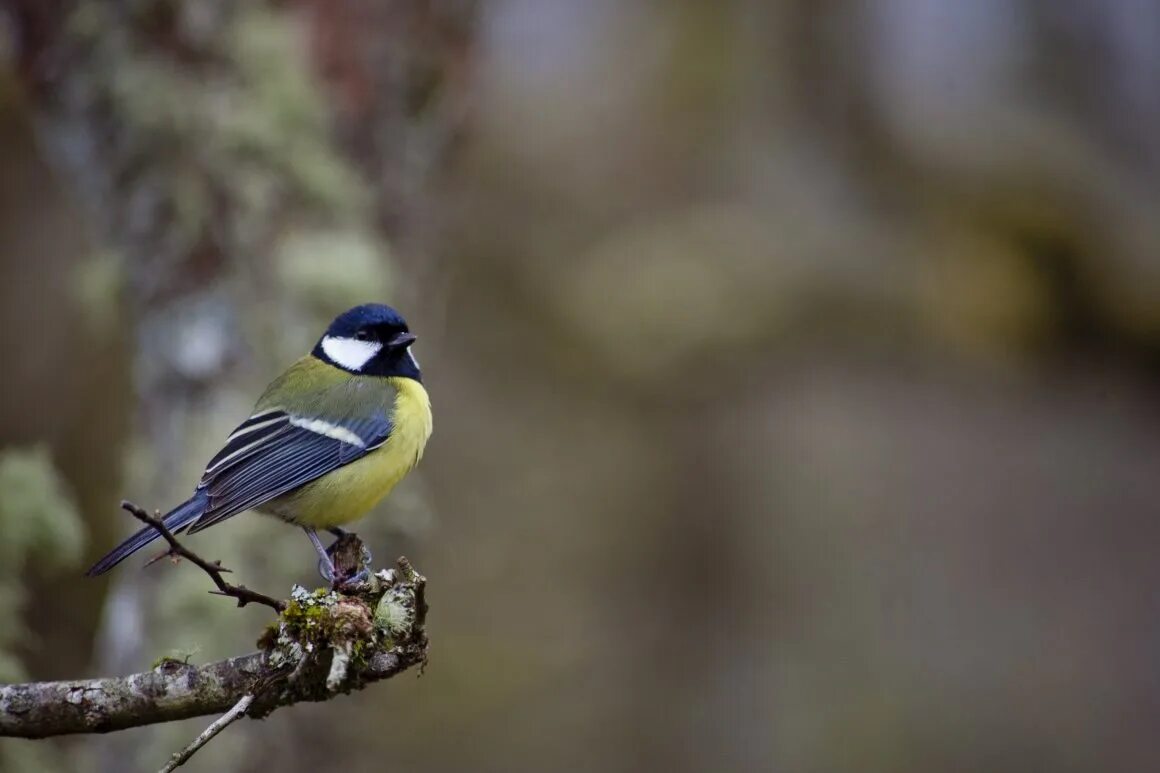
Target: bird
[327,440]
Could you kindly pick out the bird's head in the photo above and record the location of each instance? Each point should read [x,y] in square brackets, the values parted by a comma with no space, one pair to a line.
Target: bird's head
[371,340]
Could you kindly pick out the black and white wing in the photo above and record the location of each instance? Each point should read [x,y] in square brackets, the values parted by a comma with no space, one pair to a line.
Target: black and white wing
[275,451]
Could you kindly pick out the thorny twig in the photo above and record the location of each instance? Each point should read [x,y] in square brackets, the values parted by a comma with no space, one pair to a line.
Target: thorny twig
[214,569]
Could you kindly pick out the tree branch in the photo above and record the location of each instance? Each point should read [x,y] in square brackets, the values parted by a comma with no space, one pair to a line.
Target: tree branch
[219,724]
[214,569]
[324,643]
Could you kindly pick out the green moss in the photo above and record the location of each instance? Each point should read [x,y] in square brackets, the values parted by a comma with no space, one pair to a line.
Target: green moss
[318,620]
[342,627]
[167,662]
[269,636]
[358,653]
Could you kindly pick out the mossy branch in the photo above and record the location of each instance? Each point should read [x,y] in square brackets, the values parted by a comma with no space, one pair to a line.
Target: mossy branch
[325,643]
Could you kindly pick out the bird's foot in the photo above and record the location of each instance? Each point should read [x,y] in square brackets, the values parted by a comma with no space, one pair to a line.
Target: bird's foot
[341,582]
[349,583]
[346,562]
[326,566]
[326,569]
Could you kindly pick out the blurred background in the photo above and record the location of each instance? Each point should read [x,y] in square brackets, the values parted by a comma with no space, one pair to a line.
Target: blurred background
[795,367]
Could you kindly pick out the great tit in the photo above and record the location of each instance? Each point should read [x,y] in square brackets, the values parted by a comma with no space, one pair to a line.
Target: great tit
[327,440]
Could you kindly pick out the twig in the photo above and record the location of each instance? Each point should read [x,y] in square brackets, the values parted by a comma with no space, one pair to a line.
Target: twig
[214,569]
[218,725]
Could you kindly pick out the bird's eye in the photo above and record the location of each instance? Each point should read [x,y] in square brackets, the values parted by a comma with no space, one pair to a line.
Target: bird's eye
[363,335]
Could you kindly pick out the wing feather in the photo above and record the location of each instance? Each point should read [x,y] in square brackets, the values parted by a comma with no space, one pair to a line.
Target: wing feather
[247,439]
[274,452]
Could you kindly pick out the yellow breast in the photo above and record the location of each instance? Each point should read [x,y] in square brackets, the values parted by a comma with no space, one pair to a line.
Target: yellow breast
[349,492]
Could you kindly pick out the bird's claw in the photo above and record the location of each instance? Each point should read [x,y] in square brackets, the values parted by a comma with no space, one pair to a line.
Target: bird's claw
[330,574]
[344,583]
[348,552]
[326,569]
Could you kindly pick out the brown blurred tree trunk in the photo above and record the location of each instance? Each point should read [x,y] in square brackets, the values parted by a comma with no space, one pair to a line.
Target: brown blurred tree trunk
[67,382]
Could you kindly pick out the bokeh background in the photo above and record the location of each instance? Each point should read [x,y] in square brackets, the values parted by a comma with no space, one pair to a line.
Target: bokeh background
[796,367]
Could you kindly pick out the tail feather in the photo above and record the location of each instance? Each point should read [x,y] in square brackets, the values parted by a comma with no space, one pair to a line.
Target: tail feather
[176,520]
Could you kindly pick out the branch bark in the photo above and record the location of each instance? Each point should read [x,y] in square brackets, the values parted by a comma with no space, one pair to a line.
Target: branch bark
[324,644]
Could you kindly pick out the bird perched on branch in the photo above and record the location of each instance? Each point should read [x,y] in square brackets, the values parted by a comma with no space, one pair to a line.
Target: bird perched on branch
[327,440]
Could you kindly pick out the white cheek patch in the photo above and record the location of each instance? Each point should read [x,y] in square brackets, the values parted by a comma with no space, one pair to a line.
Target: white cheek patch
[350,353]
[414,361]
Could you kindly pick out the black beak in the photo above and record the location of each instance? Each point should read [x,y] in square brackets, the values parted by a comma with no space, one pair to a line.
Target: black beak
[401,340]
